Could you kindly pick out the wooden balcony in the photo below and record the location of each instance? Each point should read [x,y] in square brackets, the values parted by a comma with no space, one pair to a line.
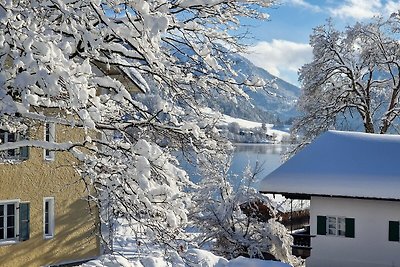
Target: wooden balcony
[302,243]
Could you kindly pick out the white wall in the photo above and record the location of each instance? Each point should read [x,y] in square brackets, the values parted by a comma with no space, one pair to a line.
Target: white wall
[369,248]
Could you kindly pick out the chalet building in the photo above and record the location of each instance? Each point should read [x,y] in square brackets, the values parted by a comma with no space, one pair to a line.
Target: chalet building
[353,183]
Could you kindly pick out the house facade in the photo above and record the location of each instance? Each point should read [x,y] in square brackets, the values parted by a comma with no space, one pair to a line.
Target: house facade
[352,181]
[353,232]
[45,218]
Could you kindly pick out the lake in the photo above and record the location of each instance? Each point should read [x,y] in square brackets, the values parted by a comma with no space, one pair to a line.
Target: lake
[268,155]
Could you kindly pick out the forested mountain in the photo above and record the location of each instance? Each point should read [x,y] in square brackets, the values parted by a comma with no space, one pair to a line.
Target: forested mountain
[274,103]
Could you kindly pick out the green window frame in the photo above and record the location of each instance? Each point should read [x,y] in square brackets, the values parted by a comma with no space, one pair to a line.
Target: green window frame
[24,221]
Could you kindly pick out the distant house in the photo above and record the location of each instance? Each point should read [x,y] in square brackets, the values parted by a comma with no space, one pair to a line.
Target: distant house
[353,182]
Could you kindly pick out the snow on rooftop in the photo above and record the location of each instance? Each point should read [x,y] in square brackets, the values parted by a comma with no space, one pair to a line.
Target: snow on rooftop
[341,164]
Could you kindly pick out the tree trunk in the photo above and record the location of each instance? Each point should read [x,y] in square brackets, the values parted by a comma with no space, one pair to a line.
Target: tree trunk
[369,126]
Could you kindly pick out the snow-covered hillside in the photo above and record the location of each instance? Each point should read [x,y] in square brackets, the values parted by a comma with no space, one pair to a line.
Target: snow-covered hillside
[275,103]
[241,130]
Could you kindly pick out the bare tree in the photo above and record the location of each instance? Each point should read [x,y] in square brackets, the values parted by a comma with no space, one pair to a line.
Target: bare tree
[354,79]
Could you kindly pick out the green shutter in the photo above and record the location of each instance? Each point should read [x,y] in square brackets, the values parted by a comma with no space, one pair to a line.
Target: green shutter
[393,231]
[350,227]
[24,152]
[24,221]
[321,225]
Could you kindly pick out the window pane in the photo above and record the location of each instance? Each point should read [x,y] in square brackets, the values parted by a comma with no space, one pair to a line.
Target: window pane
[10,209]
[1,210]
[47,131]
[2,136]
[1,233]
[331,225]
[10,221]
[332,221]
[11,137]
[1,222]
[10,232]
[11,152]
[48,217]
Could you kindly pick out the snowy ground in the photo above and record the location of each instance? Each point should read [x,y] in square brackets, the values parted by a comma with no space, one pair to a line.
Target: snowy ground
[127,255]
[196,257]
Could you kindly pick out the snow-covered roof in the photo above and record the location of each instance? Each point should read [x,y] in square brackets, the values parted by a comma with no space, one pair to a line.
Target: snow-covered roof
[346,164]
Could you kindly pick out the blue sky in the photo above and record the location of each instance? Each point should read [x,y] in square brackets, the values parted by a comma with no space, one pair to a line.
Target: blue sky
[280,45]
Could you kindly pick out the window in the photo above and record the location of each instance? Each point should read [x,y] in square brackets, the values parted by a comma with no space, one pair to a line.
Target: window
[49,136]
[13,154]
[14,221]
[48,217]
[335,226]
[8,221]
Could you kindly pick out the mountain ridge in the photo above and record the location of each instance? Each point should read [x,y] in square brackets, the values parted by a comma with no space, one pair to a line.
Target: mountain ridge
[273,104]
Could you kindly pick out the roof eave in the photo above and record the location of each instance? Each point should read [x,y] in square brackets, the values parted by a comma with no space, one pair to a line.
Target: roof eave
[307,196]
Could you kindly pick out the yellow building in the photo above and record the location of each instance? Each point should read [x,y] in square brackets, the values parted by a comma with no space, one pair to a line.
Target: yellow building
[45,218]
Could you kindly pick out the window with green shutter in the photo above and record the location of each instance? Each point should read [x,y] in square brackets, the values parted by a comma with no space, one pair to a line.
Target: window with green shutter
[24,221]
[394,231]
[21,153]
[336,226]
[8,220]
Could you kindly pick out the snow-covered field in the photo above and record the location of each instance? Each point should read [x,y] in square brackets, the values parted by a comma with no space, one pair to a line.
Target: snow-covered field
[246,125]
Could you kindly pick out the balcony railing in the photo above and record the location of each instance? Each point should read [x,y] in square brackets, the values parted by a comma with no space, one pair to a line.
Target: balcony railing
[302,243]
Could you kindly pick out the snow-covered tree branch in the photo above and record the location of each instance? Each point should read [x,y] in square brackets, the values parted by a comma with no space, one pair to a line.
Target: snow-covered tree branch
[77,64]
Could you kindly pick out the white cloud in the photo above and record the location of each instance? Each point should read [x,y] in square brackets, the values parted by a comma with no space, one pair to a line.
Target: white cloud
[304,4]
[360,9]
[392,6]
[281,58]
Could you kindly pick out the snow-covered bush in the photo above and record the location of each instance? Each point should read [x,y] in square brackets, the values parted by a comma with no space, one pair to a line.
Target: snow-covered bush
[240,221]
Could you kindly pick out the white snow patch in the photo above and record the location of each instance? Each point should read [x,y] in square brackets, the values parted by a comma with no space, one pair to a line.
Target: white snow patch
[195,258]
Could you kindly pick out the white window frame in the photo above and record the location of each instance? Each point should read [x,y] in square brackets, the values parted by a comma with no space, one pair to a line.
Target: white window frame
[336,226]
[5,240]
[51,217]
[49,136]
[17,153]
